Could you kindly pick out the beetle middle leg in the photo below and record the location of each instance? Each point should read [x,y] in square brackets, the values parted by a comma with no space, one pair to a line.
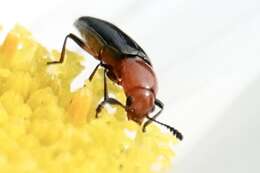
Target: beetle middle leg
[107,99]
[77,40]
[94,72]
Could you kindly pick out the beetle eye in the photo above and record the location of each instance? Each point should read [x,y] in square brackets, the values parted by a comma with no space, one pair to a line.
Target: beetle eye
[129,100]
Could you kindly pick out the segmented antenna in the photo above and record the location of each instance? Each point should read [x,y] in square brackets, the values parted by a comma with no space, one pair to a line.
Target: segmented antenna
[174,131]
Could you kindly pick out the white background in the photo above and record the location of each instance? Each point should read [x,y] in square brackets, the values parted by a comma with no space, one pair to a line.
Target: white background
[207,57]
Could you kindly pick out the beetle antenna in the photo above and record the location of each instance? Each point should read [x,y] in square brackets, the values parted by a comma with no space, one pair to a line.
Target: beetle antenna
[174,131]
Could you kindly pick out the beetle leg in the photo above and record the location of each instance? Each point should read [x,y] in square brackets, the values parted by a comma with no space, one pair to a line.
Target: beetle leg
[111,101]
[100,106]
[150,119]
[174,131]
[77,40]
[100,64]
[105,85]
[94,72]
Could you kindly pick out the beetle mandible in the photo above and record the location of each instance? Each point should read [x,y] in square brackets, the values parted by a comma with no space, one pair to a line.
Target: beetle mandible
[125,63]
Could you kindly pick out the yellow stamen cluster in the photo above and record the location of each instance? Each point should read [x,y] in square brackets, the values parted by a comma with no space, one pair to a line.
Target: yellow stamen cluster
[46,128]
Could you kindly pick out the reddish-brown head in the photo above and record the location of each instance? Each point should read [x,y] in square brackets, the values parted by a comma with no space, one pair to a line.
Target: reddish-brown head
[140,103]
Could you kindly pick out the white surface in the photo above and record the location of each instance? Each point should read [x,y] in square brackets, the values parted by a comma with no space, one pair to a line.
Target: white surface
[207,57]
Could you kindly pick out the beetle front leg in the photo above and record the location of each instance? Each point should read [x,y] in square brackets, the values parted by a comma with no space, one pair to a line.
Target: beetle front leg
[77,40]
[111,101]
[150,119]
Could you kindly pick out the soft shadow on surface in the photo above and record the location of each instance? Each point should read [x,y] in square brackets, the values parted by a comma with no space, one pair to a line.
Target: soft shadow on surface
[232,145]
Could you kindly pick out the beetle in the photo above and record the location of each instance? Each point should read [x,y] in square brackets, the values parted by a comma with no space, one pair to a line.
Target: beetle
[125,63]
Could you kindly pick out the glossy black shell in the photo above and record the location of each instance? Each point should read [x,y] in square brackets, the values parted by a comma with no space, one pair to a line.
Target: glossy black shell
[109,34]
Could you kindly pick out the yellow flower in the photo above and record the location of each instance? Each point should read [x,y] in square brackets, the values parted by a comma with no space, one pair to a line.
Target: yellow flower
[46,128]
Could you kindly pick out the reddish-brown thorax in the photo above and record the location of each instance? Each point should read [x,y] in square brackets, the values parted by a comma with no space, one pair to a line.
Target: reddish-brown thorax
[138,81]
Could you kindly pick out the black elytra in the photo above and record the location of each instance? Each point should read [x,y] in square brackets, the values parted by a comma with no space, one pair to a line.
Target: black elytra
[108,34]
